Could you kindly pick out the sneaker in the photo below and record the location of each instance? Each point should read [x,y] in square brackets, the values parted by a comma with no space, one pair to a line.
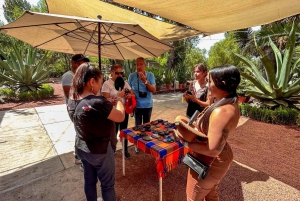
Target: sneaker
[137,150]
[127,155]
[81,167]
[77,161]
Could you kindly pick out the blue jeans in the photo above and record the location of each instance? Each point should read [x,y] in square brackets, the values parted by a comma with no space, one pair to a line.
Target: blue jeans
[142,115]
[102,167]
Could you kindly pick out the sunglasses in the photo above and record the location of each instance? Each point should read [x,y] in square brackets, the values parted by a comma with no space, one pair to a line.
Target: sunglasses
[119,73]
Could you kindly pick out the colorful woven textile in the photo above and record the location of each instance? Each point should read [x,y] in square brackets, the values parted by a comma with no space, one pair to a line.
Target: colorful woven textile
[167,154]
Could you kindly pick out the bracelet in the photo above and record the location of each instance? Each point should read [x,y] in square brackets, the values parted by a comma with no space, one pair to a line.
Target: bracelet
[146,82]
[186,144]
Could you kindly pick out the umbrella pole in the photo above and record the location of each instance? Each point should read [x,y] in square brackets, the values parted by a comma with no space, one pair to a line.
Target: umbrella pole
[99,44]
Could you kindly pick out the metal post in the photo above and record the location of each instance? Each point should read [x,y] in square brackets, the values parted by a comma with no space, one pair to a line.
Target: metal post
[123,155]
[99,44]
[160,188]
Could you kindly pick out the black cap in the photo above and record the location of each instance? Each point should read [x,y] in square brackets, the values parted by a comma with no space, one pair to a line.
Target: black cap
[79,57]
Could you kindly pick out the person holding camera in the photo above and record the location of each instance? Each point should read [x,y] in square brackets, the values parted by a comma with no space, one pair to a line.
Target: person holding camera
[197,95]
[143,85]
[111,91]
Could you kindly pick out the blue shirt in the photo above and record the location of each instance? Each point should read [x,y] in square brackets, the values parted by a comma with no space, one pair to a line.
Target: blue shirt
[134,81]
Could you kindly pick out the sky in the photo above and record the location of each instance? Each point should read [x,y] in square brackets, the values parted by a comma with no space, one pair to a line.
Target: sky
[205,43]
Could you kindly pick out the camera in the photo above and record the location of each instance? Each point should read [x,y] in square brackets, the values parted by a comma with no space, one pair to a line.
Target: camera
[189,92]
[126,91]
[142,94]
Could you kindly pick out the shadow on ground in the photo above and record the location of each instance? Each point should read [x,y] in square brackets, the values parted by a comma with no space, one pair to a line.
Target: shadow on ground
[141,181]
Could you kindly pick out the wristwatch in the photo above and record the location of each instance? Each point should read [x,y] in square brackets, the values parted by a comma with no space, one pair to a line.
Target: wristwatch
[186,144]
[146,82]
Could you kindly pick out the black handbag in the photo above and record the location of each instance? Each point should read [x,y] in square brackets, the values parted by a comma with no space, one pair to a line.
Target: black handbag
[198,166]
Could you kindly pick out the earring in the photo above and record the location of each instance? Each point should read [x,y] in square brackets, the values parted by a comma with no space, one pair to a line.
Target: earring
[92,89]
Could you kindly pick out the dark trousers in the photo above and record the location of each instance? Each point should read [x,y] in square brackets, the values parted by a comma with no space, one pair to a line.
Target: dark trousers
[142,115]
[99,167]
[123,125]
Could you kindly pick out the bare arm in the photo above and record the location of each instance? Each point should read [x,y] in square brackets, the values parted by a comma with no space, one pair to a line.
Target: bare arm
[222,121]
[66,90]
[106,94]
[151,88]
[117,114]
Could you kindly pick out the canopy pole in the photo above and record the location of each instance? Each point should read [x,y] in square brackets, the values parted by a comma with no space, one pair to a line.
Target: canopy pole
[99,44]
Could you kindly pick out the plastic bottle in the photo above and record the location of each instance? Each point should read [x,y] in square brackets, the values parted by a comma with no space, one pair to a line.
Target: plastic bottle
[182,99]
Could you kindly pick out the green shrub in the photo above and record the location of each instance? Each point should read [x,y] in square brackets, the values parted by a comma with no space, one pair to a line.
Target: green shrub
[286,116]
[266,115]
[58,70]
[45,91]
[7,93]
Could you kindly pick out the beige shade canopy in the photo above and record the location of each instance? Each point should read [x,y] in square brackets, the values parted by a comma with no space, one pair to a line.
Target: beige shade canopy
[216,16]
[78,35]
[92,8]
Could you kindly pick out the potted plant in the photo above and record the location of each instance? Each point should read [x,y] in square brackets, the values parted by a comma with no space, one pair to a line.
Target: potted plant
[169,77]
[181,77]
[241,91]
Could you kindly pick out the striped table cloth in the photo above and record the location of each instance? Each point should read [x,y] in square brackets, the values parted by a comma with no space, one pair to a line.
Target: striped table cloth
[168,155]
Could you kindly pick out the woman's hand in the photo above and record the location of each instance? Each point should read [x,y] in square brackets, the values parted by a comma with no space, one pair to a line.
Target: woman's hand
[176,132]
[128,96]
[191,97]
[121,93]
[113,100]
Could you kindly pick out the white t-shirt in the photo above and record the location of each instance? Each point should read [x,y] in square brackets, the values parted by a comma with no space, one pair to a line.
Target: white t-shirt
[198,90]
[66,80]
[109,87]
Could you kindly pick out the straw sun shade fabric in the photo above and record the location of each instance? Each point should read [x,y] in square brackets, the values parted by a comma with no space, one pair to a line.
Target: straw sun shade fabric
[216,16]
[163,31]
[78,35]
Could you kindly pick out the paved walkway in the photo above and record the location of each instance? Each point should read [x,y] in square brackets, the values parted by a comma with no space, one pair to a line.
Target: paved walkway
[36,146]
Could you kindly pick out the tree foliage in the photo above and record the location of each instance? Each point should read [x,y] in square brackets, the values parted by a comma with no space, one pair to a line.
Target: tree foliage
[221,53]
[40,7]
[13,9]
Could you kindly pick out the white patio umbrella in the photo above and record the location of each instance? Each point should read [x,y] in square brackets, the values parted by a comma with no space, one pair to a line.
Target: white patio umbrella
[92,37]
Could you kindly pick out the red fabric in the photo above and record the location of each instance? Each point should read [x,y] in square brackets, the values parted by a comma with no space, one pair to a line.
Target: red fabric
[130,105]
[167,155]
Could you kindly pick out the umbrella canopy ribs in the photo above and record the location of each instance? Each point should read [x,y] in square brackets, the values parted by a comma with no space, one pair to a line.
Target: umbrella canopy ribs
[92,37]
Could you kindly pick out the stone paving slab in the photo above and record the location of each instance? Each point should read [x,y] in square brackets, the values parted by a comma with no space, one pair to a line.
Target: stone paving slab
[18,119]
[53,114]
[64,185]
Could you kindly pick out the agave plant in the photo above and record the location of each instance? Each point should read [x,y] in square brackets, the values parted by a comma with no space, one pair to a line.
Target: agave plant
[281,85]
[24,73]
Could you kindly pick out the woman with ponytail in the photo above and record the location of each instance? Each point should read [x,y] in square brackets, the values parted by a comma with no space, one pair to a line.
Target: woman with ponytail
[218,121]
[94,120]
